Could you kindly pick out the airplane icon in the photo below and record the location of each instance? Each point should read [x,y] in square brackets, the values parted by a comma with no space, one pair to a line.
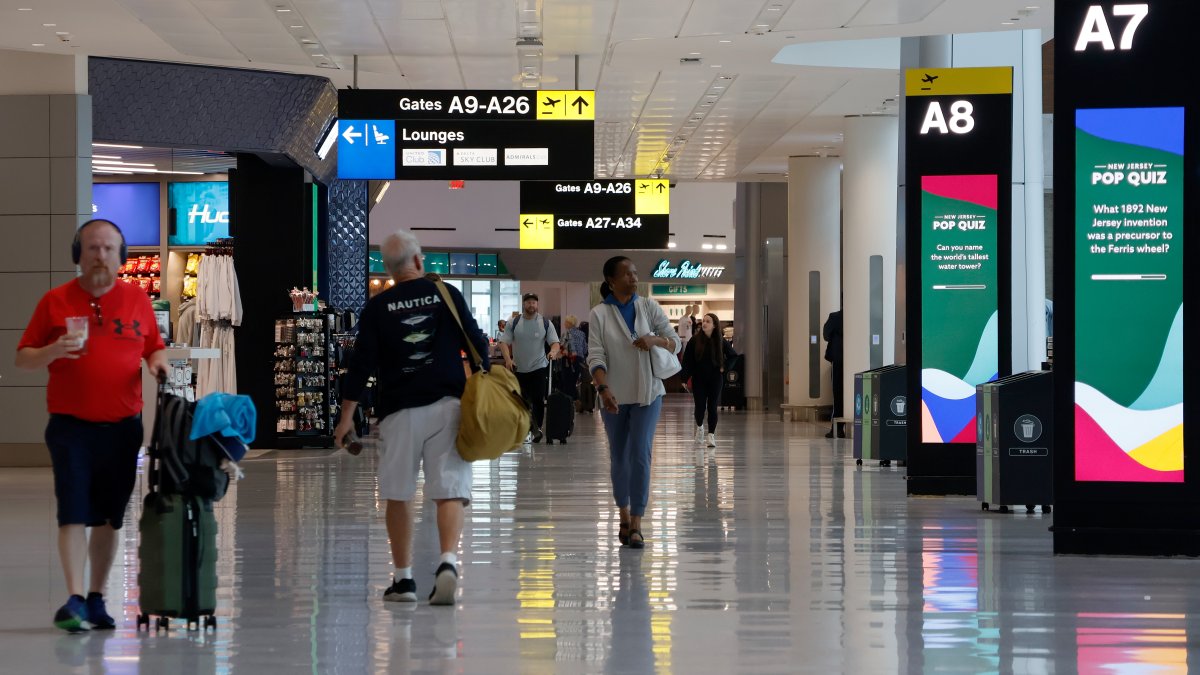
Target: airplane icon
[643,186]
[551,102]
[544,221]
[930,78]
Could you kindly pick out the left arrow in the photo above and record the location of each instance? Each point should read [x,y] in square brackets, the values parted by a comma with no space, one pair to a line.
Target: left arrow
[350,134]
[527,222]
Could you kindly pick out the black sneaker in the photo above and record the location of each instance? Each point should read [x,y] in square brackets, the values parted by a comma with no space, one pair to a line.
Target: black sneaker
[72,617]
[445,583]
[537,435]
[96,613]
[401,590]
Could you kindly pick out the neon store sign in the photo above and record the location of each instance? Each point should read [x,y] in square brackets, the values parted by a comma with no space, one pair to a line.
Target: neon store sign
[687,270]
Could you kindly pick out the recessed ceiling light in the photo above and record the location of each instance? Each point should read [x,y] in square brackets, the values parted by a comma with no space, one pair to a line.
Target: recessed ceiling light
[693,53]
[24,9]
[39,44]
[1006,23]
[295,26]
[725,42]
[116,145]
[49,25]
[318,54]
[706,247]
[281,11]
[722,247]
[61,32]
[715,65]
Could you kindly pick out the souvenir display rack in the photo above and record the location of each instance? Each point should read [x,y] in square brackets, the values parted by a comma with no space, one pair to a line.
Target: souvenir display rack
[303,395]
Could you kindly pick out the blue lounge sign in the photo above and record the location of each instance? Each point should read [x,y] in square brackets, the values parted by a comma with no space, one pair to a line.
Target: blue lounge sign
[687,270]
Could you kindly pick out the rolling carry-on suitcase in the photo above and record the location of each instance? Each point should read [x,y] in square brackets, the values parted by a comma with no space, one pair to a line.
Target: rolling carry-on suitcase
[177,549]
[560,414]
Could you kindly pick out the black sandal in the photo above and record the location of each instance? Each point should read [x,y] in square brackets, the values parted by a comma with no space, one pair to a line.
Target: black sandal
[639,542]
[623,534]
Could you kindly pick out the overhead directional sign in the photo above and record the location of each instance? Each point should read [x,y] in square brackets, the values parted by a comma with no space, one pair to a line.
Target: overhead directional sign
[602,214]
[475,135]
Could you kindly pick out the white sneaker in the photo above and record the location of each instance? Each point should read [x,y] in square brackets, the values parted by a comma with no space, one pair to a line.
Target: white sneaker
[712,440]
[699,435]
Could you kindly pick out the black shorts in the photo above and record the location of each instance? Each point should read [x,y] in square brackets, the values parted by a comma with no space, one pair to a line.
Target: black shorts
[95,468]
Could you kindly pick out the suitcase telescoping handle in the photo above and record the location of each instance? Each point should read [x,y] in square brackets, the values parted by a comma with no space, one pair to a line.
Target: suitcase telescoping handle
[154,469]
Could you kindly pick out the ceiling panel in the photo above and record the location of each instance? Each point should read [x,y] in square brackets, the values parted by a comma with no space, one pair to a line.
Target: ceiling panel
[184,27]
[418,38]
[642,20]
[819,14]
[890,12]
[409,9]
[716,17]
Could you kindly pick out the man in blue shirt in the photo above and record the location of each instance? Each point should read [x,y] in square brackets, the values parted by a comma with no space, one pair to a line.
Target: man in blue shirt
[409,337]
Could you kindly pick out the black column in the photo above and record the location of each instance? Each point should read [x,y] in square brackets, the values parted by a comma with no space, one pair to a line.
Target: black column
[344,263]
[270,221]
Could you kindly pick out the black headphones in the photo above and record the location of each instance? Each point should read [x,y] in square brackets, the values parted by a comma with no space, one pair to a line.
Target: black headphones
[77,242]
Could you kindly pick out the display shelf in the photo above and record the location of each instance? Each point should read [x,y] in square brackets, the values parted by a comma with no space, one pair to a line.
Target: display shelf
[303,394]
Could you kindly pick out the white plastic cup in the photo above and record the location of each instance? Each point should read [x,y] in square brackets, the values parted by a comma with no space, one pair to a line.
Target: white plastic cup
[77,327]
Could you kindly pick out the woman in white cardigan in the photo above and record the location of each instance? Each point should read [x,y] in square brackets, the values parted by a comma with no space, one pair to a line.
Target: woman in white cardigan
[623,330]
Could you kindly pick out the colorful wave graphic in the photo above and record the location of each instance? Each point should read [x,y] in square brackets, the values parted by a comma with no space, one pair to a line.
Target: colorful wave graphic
[1144,446]
[948,401]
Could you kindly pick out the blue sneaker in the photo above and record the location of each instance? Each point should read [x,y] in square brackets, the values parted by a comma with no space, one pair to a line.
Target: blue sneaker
[96,614]
[72,617]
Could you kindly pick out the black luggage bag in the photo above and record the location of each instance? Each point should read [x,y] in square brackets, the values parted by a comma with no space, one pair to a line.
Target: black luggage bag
[177,549]
[560,413]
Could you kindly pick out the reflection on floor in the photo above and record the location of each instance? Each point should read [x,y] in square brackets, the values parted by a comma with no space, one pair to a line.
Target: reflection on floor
[772,553]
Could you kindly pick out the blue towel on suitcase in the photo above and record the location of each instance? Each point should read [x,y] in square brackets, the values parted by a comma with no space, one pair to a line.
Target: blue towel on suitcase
[229,415]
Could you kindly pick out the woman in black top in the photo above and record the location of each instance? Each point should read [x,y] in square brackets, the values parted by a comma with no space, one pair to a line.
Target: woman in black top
[704,360]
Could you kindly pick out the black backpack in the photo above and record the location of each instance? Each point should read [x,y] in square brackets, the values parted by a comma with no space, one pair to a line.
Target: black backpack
[184,466]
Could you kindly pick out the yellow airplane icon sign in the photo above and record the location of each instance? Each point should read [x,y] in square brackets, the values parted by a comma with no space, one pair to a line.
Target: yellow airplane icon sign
[566,105]
[651,196]
[537,230]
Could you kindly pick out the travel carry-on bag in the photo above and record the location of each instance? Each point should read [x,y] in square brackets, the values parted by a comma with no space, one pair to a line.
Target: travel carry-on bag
[177,547]
[560,413]
[495,418]
[587,396]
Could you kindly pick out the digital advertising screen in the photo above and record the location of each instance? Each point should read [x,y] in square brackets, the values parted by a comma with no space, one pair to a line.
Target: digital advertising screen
[959,302]
[200,211]
[1129,219]
[134,207]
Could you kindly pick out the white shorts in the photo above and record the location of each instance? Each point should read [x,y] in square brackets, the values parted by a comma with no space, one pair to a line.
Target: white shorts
[426,435]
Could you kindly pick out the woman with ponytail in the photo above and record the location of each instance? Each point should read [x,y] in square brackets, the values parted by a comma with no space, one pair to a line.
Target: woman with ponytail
[704,360]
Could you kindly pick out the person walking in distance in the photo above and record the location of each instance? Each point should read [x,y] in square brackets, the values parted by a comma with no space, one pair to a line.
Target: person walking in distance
[524,346]
[623,330]
[92,334]
[704,360]
[832,332]
[409,337]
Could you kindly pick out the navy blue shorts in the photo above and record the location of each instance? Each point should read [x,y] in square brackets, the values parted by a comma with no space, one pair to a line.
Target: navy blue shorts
[95,468]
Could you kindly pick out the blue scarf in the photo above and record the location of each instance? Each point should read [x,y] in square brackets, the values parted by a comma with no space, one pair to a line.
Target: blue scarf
[627,309]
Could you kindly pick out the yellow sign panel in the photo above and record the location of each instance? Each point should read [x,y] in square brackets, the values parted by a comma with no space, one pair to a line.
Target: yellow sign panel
[566,105]
[537,230]
[958,81]
[651,196]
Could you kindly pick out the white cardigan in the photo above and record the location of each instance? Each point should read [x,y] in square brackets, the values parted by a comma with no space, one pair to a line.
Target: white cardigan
[610,346]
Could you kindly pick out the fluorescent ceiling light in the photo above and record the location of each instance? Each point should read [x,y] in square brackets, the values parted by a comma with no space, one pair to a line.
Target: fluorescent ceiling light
[672,244]
[39,44]
[120,162]
[721,247]
[383,191]
[330,140]
[115,145]
[105,157]
[706,247]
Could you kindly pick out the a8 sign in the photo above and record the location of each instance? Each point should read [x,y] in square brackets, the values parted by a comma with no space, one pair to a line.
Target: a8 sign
[961,119]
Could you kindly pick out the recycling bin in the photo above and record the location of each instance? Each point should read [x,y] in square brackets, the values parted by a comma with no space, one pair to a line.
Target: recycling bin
[884,415]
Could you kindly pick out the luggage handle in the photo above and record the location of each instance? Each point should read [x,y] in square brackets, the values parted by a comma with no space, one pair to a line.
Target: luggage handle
[155,436]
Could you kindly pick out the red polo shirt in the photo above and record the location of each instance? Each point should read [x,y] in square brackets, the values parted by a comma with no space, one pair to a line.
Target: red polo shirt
[104,385]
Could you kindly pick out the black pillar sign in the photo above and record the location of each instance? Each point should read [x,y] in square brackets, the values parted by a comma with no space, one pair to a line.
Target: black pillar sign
[475,135]
[1124,384]
[958,217]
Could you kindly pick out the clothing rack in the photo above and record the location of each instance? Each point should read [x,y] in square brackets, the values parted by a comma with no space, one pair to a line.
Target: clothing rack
[222,246]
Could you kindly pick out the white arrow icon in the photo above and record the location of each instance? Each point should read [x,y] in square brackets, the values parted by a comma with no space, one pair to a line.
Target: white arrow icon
[349,134]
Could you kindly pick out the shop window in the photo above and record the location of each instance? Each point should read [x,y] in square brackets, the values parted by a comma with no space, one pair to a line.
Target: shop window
[462,264]
[510,297]
[488,264]
[481,303]
[438,263]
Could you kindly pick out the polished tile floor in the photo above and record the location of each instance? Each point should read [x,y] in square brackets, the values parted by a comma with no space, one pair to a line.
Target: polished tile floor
[772,554]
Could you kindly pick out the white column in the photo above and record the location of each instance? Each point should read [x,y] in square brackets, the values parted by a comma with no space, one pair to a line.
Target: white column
[45,193]
[814,245]
[1022,51]
[869,179]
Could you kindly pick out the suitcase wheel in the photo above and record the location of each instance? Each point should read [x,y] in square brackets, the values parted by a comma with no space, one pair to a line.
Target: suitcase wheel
[143,620]
[986,506]
[1004,509]
[1030,507]
[210,622]
[1046,508]
[162,623]
[858,462]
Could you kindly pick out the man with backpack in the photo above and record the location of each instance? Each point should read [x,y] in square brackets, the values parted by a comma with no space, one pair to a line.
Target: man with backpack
[524,346]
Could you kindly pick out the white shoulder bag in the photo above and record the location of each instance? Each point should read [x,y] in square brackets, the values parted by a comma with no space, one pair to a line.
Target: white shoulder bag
[662,362]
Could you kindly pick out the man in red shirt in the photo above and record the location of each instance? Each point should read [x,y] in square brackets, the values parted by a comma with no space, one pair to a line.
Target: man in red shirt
[95,401]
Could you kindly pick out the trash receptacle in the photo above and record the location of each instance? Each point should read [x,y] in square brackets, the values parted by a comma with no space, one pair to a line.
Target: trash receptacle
[1014,459]
[734,394]
[881,414]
